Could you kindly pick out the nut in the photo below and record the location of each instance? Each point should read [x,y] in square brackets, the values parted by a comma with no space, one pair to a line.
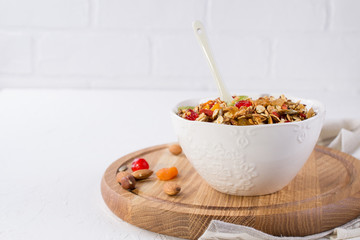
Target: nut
[142,174]
[260,108]
[175,149]
[122,168]
[171,188]
[128,182]
[120,175]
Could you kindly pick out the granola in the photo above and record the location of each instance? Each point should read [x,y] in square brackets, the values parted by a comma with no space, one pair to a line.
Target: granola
[246,111]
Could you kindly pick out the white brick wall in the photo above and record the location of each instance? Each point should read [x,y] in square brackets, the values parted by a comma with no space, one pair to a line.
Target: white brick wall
[154,14]
[44,13]
[15,53]
[326,57]
[346,15]
[269,15]
[259,45]
[181,49]
[93,54]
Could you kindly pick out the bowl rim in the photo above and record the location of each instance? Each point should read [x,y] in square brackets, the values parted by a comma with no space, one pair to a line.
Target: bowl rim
[320,113]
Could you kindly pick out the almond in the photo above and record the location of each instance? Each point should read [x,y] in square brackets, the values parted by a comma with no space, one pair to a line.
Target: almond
[175,149]
[142,174]
[171,188]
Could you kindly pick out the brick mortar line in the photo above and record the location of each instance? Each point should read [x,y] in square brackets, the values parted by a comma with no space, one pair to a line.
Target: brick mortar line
[92,13]
[151,56]
[33,52]
[328,15]
[124,31]
[271,58]
[207,14]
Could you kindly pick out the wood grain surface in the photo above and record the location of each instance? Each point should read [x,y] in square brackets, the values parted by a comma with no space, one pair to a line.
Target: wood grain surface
[325,194]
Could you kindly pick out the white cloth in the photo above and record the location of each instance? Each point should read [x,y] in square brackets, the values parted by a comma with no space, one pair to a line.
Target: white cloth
[341,135]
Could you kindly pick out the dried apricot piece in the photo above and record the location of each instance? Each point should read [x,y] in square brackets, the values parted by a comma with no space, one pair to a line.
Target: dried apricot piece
[208,104]
[167,173]
[216,106]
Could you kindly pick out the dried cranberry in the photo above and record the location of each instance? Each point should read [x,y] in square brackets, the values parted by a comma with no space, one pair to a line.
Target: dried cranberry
[241,103]
[191,115]
[302,115]
[139,163]
[276,114]
[207,112]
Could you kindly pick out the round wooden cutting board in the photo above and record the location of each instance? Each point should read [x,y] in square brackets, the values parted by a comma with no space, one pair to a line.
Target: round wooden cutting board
[325,194]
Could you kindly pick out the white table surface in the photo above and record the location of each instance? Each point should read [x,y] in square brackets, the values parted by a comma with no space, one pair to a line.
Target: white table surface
[56,144]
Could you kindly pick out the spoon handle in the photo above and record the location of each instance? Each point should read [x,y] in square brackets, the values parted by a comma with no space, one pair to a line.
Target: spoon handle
[200,34]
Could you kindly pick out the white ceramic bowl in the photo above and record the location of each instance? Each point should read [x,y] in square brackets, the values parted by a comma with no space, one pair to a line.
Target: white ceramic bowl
[248,160]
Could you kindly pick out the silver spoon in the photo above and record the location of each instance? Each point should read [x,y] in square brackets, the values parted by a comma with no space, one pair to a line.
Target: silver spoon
[200,34]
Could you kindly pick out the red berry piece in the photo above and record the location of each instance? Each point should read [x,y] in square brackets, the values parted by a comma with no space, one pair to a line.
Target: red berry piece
[191,115]
[276,114]
[207,112]
[241,103]
[139,163]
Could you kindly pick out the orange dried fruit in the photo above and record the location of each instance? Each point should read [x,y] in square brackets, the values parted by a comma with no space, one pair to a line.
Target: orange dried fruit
[167,173]
[216,106]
